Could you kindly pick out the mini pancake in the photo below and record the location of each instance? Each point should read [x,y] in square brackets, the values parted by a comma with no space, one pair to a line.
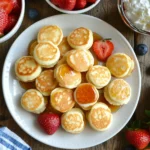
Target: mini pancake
[100,117]
[120,65]
[80,38]
[73,121]
[62,99]
[67,77]
[46,82]
[31,47]
[80,60]
[108,99]
[64,46]
[27,69]
[119,90]
[99,76]
[33,101]
[86,95]
[50,33]
[46,54]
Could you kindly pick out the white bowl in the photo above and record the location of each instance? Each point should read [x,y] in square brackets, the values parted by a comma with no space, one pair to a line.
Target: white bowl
[18,24]
[73,11]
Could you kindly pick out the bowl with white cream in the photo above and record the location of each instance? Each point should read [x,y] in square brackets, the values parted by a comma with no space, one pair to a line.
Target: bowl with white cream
[136,14]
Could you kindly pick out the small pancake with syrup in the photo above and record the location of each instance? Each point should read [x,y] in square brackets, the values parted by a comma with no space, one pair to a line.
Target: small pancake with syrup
[80,60]
[46,82]
[118,92]
[27,69]
[50,33]
[99,76]
[67,77]
[33,101]
[86,95]
[120,65]
[46,54]
[62,99]
[73,121]
[100,117]
[80,38]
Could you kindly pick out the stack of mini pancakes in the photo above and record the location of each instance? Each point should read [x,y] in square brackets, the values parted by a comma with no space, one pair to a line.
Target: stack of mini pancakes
[57,65]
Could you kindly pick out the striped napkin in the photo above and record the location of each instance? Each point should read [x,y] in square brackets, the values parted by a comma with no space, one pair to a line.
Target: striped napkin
[10,141]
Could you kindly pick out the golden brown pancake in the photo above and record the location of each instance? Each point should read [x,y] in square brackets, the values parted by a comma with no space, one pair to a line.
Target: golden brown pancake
[46,82]
[62,99]
[27,69]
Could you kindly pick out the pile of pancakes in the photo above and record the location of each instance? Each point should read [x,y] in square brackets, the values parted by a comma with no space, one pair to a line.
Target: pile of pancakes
[58,66]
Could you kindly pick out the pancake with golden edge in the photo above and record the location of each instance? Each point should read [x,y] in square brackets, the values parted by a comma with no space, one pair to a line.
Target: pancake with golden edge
[62,99]
[46,54]
[33,101]
[27,69]
[73,121]
[98,75]
[46,82]
[67,77]
[100,117]
[80,38]
[50,33]
[80,60]
[31,47]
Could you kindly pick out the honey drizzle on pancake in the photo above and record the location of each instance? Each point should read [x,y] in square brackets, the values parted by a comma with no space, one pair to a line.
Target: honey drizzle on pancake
[85,94]
[113,108]
[27,85]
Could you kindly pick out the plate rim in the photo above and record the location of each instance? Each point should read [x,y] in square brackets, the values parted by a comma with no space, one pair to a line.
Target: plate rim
[125,40]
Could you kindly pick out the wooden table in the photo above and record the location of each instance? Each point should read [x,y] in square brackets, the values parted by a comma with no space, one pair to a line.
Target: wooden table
[107,11]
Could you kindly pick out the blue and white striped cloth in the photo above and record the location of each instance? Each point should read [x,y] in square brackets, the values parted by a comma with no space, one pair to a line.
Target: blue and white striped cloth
[10,141]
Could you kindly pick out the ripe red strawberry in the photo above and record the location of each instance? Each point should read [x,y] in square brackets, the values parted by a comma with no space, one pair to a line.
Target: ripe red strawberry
[16,6]
[91,1]
[103,49]
[7,5]
[67,4]
[139,138]
[56,2]
[3,21]
[80,4]
[12,20]
[50,122]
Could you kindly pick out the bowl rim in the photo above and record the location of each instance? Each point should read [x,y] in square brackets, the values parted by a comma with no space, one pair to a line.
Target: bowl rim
[17,25]
[74,11]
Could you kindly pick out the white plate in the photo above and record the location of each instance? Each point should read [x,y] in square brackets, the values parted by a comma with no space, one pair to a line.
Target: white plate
[27,121]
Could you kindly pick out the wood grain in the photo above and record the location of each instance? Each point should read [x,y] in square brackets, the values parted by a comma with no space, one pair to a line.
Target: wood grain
[107,11]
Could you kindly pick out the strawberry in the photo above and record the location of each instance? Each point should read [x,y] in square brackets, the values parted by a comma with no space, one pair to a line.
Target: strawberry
[80,4]
[67,4]
[56,2]
[91,1]
[50,122]
[16,6]
[139,138]
[12,20]
[7,5]
[3,21]
[103,49]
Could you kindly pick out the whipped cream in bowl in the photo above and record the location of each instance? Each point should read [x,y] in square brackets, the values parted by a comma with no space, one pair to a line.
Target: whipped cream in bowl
[136,14]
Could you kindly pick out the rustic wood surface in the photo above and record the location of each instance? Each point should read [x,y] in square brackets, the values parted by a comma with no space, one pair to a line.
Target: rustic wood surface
[107,11]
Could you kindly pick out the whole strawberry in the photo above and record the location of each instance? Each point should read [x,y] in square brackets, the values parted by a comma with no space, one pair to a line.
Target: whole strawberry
[80,4]
[50,122]
[3,21]
[12,20]
[67,4]
[140,138]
